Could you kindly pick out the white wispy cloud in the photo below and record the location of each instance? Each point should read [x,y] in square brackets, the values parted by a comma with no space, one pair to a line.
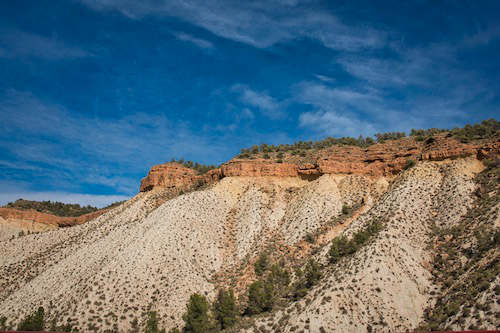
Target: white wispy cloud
[324,78]
[202,43]
[261,100]
[257,23]
[332,112]
[335,124]
[68,146]
[18,43]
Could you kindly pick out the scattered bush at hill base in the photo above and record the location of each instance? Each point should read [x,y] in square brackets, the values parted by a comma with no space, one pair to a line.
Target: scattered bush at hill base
[197,318]
[260,297]
[3,323]
[306,279]
[33,322]
[152,323]
[198,167]
[225,310]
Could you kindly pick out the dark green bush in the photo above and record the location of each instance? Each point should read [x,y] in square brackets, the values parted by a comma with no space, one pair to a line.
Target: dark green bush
[225,310]
[152,323]
[409,164]
[33,322]
[260,297]
[52,207]
[341,246]
[312,273]
[197,319]
[261,264]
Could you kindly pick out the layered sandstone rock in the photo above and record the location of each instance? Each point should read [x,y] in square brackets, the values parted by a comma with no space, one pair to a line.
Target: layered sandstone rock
[168,175]
[35,216]
[441,148]
[13,221]
[381,159]
[258,168]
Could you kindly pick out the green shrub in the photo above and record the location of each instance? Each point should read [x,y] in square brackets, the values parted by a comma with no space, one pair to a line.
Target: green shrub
[197,319]
[3,323]
[52,207]
[260,297]
[279,278]
[225,310]
[202,168]
[310,238]
[151,323]
[312,273]
[261,264]
[33,322]
[341,246]
[409,164]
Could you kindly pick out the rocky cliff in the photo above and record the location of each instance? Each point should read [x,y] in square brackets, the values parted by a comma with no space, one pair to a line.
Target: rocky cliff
[14,221]
[60,221]
[381,159]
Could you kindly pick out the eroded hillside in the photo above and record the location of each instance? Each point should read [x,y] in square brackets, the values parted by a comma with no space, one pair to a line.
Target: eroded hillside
[187,233]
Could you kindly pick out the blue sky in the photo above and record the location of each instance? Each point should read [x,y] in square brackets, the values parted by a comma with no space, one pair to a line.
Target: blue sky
[95,92]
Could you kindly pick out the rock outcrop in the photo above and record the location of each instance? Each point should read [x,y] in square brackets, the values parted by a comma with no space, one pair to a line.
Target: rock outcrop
[35,216]
[381,159]
[258,168]
[13,221]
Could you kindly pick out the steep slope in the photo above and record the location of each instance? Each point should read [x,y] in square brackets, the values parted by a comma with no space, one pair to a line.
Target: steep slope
[386,285]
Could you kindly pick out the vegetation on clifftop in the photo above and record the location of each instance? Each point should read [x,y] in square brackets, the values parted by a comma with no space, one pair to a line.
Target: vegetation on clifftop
[485,130]
[198,167]
[57,208]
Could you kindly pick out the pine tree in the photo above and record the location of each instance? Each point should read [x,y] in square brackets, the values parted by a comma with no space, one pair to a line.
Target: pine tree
[197,317]
[260,297]
[225,309]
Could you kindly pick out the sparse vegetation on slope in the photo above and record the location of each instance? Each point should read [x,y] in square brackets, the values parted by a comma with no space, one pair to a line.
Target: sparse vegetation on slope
[467,264]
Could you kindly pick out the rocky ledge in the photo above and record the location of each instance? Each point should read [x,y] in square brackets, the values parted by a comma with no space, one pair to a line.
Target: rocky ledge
[381,159]
[35,216]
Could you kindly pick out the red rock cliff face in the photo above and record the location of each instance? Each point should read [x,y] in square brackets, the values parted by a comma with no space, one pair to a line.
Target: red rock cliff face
[35,216]
[380,159]
[168,175]
[258,168]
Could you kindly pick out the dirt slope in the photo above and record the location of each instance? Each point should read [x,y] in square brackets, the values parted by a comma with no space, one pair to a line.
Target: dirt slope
[153,252]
